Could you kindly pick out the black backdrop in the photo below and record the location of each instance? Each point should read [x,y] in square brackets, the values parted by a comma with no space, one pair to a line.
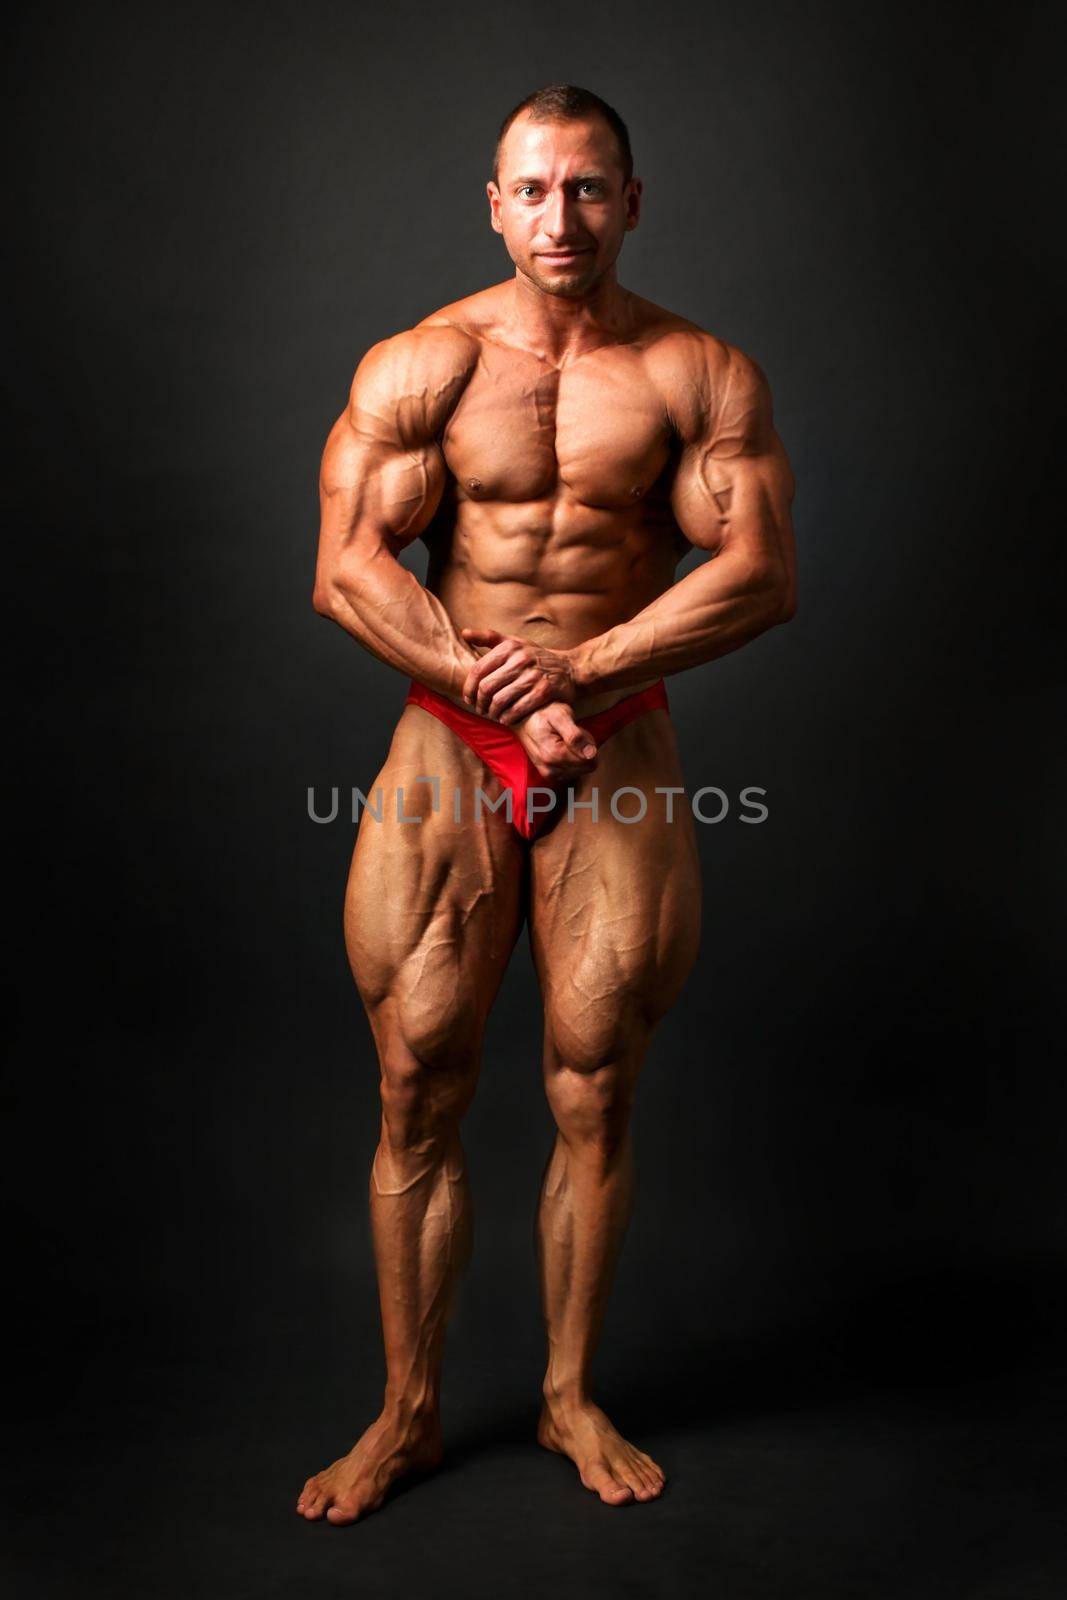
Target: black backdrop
[850,1129]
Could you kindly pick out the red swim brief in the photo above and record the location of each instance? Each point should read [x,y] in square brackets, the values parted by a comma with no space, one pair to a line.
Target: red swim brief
[503,752]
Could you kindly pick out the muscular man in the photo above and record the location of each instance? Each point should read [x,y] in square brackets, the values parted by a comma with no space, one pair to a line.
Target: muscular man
[559,443]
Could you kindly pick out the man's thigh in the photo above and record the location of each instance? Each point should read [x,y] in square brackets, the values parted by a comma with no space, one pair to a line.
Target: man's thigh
[614,905]
[434,906]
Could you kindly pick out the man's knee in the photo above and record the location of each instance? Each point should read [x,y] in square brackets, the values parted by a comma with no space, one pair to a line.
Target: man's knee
[591,1036]
[591,1068]
[428,1055]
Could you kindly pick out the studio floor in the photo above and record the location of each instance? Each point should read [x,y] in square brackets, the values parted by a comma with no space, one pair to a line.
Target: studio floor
[179,1480]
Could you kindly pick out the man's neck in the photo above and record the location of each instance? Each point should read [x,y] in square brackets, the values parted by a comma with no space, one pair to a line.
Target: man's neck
[562,327]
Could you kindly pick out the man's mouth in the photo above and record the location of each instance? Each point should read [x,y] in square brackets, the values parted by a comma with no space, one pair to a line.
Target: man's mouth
[561,257]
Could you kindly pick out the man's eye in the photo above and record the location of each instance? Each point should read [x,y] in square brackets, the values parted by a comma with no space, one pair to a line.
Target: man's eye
[594,186]
[526,188]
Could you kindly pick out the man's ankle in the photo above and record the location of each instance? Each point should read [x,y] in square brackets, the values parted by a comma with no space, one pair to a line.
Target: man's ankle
[565,1393]
[413,1406]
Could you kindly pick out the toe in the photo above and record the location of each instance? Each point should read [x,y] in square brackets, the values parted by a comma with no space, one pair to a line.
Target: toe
[599,1477]
[342,1511]
[632,1475]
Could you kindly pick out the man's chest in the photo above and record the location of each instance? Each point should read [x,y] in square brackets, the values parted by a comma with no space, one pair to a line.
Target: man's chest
[596,431]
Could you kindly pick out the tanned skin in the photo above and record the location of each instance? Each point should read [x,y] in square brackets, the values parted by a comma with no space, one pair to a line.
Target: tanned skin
[559,443]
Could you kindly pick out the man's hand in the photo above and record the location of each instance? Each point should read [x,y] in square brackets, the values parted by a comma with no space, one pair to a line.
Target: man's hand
[515,676]
[556,744]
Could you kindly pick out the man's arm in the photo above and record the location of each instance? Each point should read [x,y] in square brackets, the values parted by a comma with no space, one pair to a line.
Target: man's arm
[382,479]
[731,495]
[381,482]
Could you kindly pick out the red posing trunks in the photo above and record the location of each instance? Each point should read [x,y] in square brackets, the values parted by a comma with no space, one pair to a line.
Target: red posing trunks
[503,751]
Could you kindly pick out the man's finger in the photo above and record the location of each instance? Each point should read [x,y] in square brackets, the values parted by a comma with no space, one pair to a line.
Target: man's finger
[487,663]
[497,677]
[577,740]
[529,702]
[503,700]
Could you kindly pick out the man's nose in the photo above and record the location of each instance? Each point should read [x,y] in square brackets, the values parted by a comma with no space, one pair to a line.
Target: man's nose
[558,214]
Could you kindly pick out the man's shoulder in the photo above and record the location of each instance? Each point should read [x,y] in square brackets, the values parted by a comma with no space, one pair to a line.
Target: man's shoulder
[415,377]
[473,316]
[675,345]
[693,369]
[427,352]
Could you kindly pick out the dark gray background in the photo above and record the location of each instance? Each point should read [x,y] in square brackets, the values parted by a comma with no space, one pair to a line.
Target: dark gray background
[842,1292]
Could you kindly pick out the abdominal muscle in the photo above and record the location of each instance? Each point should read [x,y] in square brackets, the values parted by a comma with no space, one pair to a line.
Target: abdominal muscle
[554,589]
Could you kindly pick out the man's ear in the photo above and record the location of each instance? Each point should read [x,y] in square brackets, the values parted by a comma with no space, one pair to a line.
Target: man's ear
[494,206]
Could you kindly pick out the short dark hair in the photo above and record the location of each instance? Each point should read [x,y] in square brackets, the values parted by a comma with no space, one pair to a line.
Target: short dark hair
[565,102]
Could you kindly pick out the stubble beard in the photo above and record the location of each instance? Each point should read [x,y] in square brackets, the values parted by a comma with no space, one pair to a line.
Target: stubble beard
[565,285]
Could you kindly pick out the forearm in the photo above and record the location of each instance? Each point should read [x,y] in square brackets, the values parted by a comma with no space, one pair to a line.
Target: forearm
[714,609]
[397,619]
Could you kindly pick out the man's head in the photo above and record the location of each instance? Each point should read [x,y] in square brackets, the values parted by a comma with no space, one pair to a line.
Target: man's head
[563,192]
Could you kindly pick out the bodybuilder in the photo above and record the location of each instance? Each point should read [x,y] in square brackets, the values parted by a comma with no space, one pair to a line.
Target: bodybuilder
[559,443]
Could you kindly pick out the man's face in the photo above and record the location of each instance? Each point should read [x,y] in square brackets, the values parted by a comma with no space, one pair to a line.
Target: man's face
[560,202]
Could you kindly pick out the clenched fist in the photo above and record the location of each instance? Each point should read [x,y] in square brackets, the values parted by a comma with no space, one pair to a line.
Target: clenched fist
[556,744]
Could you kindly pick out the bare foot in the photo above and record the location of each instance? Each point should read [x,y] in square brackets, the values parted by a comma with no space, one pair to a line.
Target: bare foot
[359,1482]
[616,1470]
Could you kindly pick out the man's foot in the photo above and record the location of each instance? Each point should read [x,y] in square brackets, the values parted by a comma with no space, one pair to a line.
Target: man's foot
[616,1470]
[360,1481]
